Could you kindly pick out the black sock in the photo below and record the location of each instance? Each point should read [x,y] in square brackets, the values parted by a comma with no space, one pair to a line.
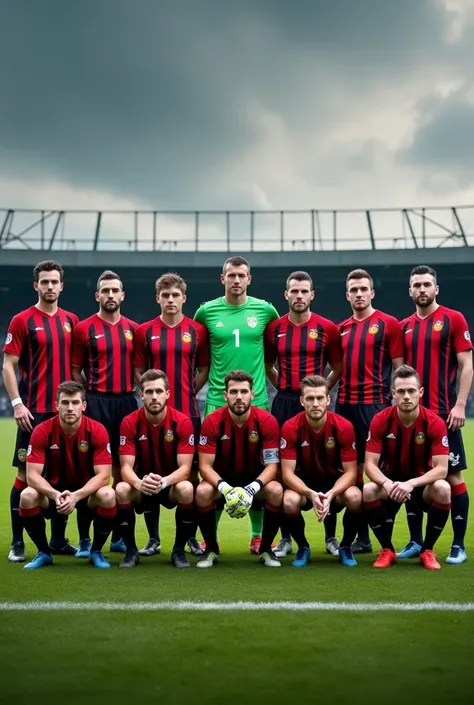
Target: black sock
[271,524]
[35,526]
[285,531]
[58,530]
[152,518]
[84,520]
[208,526]
[296,526]
[16,520]
[351,524]
[376,513]
[184,520]
[415,521]
[459,513]
[330,524]
[437,517]
[363,532]
[104,521]
[126,520]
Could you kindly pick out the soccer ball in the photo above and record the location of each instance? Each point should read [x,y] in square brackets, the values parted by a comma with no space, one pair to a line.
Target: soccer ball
[237,503]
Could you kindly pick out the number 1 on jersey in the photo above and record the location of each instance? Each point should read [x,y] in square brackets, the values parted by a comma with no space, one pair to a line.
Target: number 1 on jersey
[236,334]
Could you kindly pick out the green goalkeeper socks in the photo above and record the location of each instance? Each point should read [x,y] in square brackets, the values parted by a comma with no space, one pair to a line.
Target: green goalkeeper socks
[256,521]
[218,516]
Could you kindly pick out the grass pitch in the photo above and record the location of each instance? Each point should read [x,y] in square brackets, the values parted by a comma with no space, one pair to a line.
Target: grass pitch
[232,656]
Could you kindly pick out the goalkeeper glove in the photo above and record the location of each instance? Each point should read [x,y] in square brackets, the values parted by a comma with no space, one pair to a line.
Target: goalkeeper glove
[224,487]
[238,503]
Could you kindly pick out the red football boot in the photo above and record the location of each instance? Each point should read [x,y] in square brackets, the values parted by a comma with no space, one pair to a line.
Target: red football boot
[428,560]
[385,558]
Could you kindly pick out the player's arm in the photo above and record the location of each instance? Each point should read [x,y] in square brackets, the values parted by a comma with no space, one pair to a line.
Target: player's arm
[201,377]
[20,411]
[78,376]
[138,372]
[271,354]
[347,479]
[35,479]
[291,480]
[101,479]
[183,471]
[102,466]
[206,469]
[373,471]
[78,356]
[334,354]
[271,373]
[335,375]
[457,415]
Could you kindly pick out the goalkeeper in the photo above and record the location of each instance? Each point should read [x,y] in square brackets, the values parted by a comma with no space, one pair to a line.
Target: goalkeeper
[238,461]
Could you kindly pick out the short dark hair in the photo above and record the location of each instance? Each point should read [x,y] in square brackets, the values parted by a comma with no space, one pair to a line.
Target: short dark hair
[359,274]
[236,261]
[166,281]
[238,376]
[299,277]
[70,387]
[48,265]
[107,275]
[404,372]
[153,376]
[424,269]
[314,381]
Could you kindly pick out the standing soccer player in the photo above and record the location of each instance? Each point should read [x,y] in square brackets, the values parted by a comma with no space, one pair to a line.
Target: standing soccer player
[302,343]
[236,324]
[156,453]
[38,343]
[103,352]
[407,461]
[68,467]
[178,346]
[238,461]
[438,344]
[372,347]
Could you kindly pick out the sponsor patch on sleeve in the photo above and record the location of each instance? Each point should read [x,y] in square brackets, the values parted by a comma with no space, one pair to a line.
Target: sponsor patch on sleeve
[271,455]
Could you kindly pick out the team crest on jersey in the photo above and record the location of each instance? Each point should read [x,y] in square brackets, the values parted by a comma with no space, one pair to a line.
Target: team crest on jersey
[8,339]
[169,435]
[22,454]
[186,338]
[420,438]
[128,334]
[374,329]
[330,443]
[67,327]
[313,334]
[83,446]
[252,321]
[437,326]
[253,437]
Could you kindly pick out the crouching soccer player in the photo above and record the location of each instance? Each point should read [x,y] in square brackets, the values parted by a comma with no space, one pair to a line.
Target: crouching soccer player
[156,454]
[68,466]
[407,461]
[319,469]
[238,461]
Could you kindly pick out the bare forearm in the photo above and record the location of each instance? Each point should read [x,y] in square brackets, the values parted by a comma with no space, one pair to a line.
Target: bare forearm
[343,483]
[11,383]
[201,378]
[78,376]
[465,383]
[437,473]
[294,483]
[40,484]
[182,473]
[334,376]
[268,474]
[374,474]
[209,474]
[129,475]
[272,375]
[93,485]
[138,371]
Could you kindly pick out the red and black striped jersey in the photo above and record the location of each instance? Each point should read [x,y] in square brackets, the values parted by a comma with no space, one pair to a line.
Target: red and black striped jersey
[69,461]
[43,345]
[319,454]
[431,346]
[407,451]
[156,448]
[178,351]
[368,348]
[105,352]
[301,350]
[240,450]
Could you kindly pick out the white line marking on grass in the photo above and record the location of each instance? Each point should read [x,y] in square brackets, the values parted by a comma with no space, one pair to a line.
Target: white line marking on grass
[183,606]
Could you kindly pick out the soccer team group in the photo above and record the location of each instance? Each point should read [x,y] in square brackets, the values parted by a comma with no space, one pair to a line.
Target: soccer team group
[83,441]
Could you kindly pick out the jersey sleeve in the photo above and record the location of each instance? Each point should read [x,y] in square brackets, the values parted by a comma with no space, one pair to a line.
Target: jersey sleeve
[208,437]
[438,434]
[127,438]
[334,349]
[288,442]
[394,338]
[36,452]
[79,347]
[186,440]
[461,335]
[347,442]
[271,312]
[271,441]
[203,353]
[375,437]
[16,336]
[200,315]
[74,319]
[140,357]
[271,353]
[102,451]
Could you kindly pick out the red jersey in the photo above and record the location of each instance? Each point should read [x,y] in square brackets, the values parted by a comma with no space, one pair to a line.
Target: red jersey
[368,348]
[104,351]
[240,451]
[301,350]
[156,448]
[319,454]
[69,461]
[43,345]
[178,351]
[407,451]
[431,345]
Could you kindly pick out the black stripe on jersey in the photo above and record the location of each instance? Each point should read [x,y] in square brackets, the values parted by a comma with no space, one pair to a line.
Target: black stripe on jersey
[50,363]
[379,357]
[161,447]
[162,347]
[62,349]
[220,433]
[123,359]
[300,469]
[318,353]
[361,361]
[178,364]
[302,352]
[427,352]
[62,485]
[443,354]
[412,455]
[289,355]
[233,445]
[109,351]
[397,463]
[149,353]
[92,365]
[350,352]
[32,381]
[415,342]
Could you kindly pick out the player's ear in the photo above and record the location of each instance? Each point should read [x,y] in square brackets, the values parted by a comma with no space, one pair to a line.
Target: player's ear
[436,290]
[372,293]
[123,296]
[222,279]
[84,405]
[35,286]
[347,295]
[422,389]
[96,295]
[252,394]
[56,405]
[286,295]
[301,400]
[250,278]
[61,286]
[311,296]
[184,298]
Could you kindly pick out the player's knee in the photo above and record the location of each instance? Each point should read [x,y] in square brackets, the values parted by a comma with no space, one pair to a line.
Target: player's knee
[441,491]
[29,498]
[106,496]
[353,499]
[123,492]
[371,492]
[274,492]
[204,494]
[291,502]
[184,492]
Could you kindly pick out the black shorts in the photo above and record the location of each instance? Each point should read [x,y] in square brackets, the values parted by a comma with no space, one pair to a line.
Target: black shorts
[416,501]
[149,502]
[196,422]
[457,454]
[286,404]
[23,439]
[110,410]
[360,416]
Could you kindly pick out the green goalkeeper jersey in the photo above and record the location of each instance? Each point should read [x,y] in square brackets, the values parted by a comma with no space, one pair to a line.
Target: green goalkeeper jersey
[236,337]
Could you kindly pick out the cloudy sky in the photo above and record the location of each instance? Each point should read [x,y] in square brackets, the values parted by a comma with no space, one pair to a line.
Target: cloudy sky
[245,104]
